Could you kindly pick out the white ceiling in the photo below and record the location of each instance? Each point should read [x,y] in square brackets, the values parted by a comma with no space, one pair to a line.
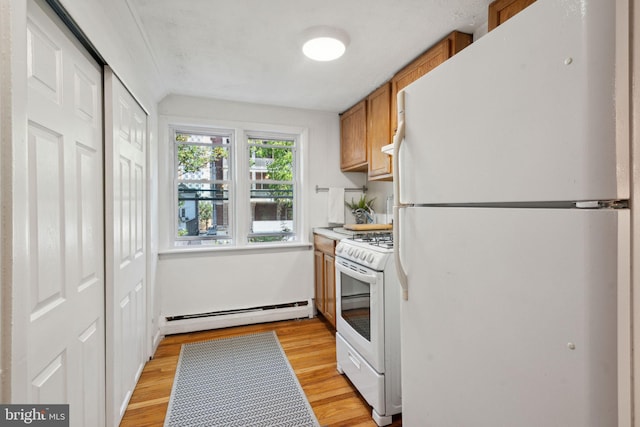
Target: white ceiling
[250,50]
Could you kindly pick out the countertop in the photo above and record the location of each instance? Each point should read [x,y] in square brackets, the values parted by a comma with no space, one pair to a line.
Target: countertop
[339,233]
[329,232]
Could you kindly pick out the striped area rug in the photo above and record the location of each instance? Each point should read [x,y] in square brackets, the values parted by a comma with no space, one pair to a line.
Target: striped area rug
[240,381]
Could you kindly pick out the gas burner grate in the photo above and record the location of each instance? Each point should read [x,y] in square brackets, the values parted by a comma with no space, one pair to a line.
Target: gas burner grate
[381,239]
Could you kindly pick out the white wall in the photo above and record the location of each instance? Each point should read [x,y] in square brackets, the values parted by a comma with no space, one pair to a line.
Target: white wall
[380,190]
[206,281]
[215,280]
[113,30]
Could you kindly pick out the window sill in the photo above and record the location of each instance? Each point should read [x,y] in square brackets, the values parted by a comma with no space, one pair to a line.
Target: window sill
[186,251]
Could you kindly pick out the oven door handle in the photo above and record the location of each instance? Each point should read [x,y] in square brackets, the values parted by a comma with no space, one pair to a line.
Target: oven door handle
[364,277]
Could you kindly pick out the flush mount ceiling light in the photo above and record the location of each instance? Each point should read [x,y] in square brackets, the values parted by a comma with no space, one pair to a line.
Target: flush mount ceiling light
[324,43]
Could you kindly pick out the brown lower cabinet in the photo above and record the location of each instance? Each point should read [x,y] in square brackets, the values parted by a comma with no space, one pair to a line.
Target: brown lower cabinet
[325,279]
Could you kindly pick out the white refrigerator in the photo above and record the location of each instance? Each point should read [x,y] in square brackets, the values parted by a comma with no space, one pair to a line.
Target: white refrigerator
[512,224]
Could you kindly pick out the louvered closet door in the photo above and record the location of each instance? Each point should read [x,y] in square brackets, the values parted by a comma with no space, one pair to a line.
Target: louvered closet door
[126,131]
[62,226]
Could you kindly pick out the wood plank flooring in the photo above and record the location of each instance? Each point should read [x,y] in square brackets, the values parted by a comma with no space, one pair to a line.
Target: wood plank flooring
[310,347]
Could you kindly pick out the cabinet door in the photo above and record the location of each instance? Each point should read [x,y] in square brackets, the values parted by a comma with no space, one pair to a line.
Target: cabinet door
[319,281]
[436,55]
[379,131]
[330,289]
[412,72]
[502,10]
[353,138]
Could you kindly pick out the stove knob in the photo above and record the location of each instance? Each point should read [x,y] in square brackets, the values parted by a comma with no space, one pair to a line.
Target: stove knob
[370,258]
[356,253]
[339,248]
[349,251]
[363,255]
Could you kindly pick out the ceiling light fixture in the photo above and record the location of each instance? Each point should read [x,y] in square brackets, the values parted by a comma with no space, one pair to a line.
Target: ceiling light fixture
[325,43]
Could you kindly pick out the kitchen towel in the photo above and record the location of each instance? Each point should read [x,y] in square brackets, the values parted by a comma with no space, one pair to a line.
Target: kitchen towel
[336,205]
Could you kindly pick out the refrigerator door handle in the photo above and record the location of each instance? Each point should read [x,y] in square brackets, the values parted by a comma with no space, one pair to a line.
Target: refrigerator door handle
[398,139]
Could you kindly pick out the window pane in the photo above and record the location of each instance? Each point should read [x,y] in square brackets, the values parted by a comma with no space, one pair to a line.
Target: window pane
[197,162]
[203,211]
[272,213]
[270,163]
[280,142]
[202,138]
[266,238]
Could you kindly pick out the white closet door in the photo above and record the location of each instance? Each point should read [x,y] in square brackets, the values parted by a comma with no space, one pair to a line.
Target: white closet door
[126,130]
[61,229]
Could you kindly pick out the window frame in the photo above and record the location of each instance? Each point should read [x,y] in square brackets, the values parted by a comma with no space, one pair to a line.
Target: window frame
[240,182]
[295,181]
[213,131]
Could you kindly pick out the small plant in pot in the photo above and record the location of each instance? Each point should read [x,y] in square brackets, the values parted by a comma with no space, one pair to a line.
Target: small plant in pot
[362,209]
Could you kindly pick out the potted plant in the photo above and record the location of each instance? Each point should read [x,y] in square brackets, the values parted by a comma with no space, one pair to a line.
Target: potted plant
[362,209]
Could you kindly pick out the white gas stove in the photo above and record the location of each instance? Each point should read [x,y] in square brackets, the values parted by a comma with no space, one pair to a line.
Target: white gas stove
[372,250]
[368,321]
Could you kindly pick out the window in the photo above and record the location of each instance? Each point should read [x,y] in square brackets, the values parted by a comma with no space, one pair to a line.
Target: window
[235,191]
[204,186]
[272,188]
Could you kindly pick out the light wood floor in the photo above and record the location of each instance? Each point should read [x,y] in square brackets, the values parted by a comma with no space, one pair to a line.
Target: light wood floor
[310,348]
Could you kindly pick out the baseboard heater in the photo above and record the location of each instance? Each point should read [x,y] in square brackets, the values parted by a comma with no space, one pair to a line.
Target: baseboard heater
[225,318]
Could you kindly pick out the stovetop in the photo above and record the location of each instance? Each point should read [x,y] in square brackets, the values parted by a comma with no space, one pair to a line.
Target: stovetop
[380,239]
[372,250]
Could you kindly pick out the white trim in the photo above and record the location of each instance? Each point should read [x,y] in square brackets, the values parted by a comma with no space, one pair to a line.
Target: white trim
[155,342]
[151,330]
[255,247]
[628,414]
[627,131]
[229,133]
[6,239]
[19,254]
[296,138]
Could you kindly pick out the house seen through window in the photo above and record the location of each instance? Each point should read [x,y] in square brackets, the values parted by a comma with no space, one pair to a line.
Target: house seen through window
[219,203]
[271,169]
[204,186]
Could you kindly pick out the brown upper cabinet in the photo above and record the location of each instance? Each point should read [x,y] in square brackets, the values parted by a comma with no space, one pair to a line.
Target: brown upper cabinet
[353,139]
[502,10]
[370,124]
[379,132]
[436,55]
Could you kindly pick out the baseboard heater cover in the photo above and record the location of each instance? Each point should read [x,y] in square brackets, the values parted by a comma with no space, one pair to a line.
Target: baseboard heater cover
[242,310]
[227,318]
